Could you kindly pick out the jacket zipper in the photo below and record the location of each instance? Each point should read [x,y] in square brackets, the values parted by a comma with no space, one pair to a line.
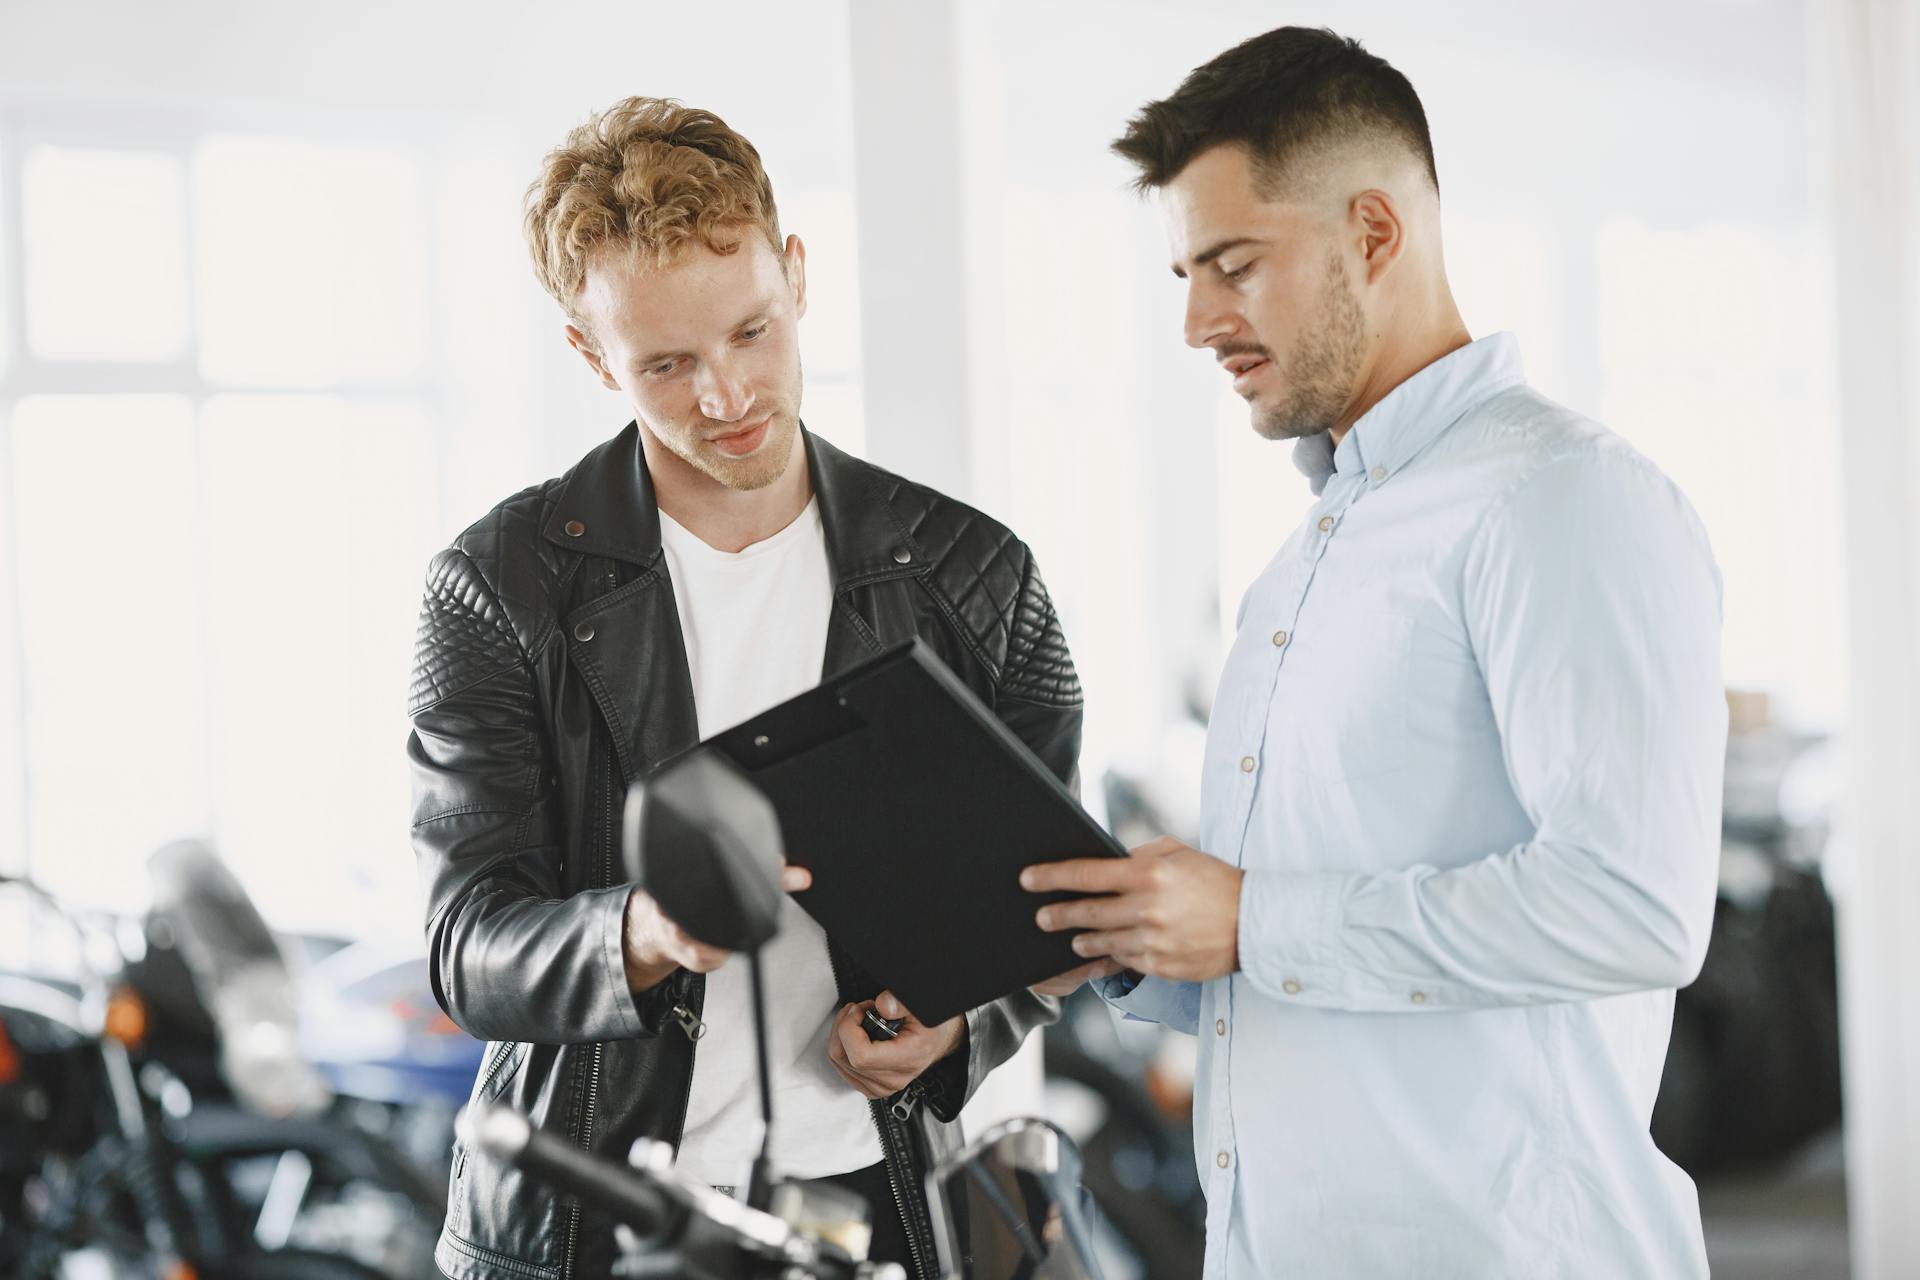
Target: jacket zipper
[599,1050]
[694,1029]
[499,1062]
[690,1024]
[500,1057]
[891,1157]
[586,1144]
[903,1107]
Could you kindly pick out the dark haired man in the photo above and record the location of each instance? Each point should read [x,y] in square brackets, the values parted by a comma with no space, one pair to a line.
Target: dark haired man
[1462,794]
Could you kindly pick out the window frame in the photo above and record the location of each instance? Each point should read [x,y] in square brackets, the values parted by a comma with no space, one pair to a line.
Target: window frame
[176,130]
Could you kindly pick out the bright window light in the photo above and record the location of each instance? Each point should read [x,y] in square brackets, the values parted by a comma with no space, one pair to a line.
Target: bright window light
[1703,344]
[830,333]
[836,409]
[110,587]
[1503,274]
[1262,497]
[106,274]
[1077,480]
[321,518]
[312,263]
[834,405]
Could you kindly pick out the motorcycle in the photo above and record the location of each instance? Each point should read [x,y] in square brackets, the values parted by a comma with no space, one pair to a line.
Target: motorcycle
[398,1067]
[1124,1092]
[156,1116]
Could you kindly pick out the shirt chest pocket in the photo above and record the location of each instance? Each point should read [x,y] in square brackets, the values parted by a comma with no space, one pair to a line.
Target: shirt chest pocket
[1340,705]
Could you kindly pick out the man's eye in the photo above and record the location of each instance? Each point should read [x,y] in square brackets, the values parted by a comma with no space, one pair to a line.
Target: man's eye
[748,335]
[1238,273]
[664,368]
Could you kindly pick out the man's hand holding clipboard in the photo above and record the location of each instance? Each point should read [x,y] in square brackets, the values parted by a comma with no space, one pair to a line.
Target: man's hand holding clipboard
[1168,911]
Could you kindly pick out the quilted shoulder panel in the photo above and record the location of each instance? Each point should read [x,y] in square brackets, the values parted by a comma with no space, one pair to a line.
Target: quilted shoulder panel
[490,599]
[1039,667]
[464,636]
[987,578]
[521,567]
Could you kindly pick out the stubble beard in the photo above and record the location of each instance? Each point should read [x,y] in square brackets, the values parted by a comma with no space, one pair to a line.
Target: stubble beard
[767,464]
[1323,365]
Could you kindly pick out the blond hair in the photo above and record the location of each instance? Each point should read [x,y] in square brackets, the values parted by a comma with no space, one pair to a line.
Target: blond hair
[646,176]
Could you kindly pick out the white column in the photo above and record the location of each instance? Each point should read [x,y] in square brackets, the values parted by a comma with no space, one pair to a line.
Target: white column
[910,204]
[1867,64]
[928,333]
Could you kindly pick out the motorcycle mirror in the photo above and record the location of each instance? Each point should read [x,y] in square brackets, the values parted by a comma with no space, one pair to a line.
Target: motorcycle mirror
[214,916]
[240,976]
[704,842]
[1013,1202]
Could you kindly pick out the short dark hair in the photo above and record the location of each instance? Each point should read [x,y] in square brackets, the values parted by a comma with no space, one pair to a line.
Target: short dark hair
[1285,95]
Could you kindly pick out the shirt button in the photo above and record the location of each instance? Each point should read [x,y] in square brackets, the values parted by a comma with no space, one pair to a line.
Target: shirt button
[1246,764]
[1291,987]
[1326,524]
[1223,1159]
[583,632]
[1219,1026]
[575,528]
[1419,997]
[1379,474]
[1279,638]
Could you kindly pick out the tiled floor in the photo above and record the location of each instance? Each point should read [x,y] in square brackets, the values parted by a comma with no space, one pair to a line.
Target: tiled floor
[1783,1223]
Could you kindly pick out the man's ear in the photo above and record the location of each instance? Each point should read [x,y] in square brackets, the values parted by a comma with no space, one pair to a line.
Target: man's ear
[795,262]
[1375,220]
[580,342]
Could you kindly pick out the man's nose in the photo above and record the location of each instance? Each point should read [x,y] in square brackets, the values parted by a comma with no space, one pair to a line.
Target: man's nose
[726,393]
[1207,321]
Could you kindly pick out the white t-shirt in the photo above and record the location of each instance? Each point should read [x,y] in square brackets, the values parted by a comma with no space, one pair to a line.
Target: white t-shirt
[755,624]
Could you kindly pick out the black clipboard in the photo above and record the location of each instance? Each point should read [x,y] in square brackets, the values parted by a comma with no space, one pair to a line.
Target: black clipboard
[915,809]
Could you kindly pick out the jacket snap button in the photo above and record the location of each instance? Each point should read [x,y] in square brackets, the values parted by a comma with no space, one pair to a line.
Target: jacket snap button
[583,632]
[575,528]
[901,555]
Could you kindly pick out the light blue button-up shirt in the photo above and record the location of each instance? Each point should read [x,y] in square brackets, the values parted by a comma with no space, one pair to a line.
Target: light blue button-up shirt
[1468,748]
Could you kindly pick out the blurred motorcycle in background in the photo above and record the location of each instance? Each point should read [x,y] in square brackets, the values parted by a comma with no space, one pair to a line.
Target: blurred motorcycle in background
[158,1117]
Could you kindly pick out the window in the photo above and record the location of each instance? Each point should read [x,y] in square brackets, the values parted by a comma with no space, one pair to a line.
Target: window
[254,379]
[1709,371]
[830,333]
[222,450]
[312,263]
[109,587]
[106,275]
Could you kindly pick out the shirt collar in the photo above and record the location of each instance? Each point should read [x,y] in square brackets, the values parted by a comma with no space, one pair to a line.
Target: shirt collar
[1415,413]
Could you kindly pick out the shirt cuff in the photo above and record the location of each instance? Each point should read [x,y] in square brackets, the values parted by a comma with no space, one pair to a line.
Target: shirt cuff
[1290,931]
[1172,1004]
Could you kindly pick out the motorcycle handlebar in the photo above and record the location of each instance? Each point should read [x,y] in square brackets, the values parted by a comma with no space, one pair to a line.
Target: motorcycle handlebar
[628,1197]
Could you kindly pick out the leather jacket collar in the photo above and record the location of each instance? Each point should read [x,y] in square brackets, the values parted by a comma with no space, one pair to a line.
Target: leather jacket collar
[608,509]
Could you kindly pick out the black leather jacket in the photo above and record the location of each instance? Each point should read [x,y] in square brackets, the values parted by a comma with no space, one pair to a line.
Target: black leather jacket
[550,673]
